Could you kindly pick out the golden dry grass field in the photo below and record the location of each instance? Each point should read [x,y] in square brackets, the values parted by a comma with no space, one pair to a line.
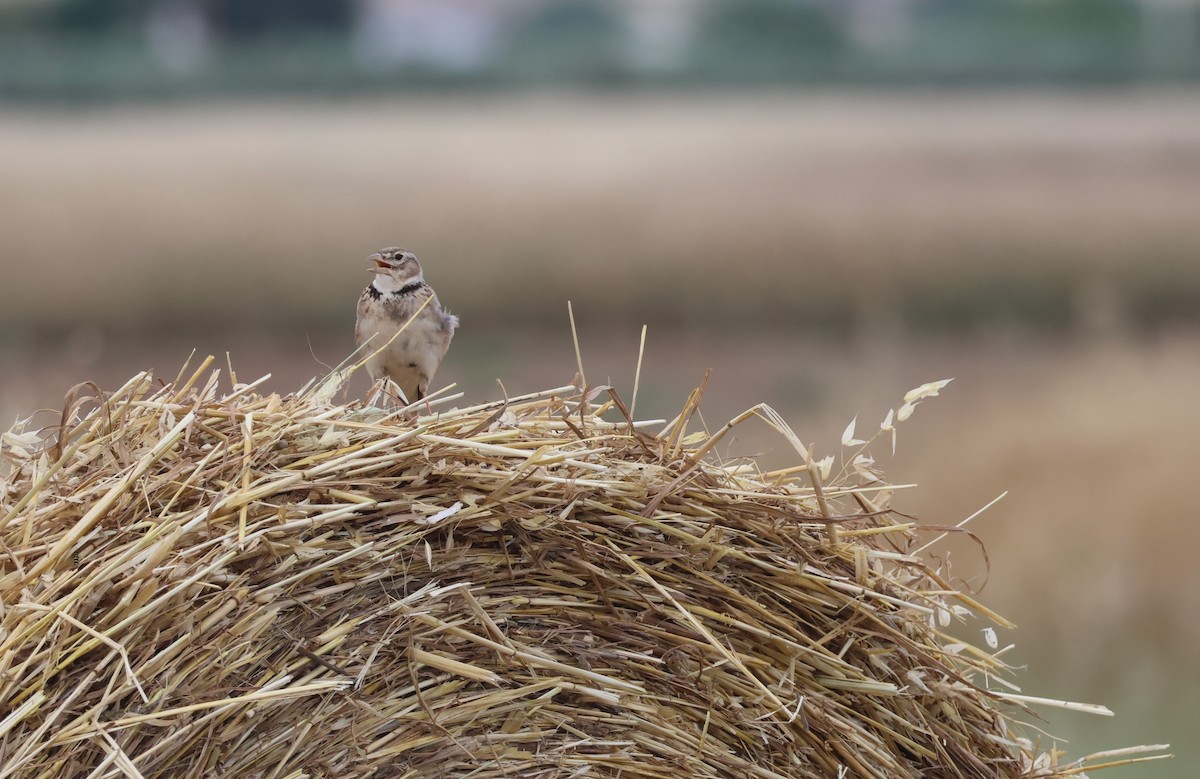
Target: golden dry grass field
[821,252]
[797,208]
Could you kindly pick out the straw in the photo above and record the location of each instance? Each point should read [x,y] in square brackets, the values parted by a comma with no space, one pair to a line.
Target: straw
[254,585]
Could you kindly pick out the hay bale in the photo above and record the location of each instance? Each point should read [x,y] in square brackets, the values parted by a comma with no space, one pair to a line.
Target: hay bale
[266,586]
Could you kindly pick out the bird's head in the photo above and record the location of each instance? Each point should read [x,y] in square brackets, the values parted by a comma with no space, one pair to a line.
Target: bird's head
[394,268]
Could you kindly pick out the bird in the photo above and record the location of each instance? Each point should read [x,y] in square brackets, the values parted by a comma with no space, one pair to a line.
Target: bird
[393,297]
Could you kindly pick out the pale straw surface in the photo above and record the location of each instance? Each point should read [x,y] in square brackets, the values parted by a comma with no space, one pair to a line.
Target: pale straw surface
[236,585]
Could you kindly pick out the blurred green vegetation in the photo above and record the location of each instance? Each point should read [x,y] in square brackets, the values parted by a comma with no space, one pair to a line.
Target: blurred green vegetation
[767,40]
[102,49]
[573,40]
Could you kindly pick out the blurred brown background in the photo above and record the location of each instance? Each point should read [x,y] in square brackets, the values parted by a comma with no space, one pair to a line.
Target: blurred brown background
[822,241]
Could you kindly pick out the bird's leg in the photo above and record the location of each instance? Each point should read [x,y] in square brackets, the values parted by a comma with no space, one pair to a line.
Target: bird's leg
[421,393]
[406,408]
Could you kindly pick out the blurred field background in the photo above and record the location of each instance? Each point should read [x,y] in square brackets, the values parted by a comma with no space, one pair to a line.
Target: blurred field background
[826,204]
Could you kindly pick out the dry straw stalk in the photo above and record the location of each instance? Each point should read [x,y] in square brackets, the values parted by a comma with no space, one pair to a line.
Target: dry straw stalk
[248,585]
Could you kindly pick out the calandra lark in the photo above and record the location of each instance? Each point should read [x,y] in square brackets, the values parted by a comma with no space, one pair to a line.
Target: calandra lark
[397,293]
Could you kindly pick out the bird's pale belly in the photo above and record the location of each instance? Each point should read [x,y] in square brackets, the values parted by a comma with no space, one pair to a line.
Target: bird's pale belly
[410,359]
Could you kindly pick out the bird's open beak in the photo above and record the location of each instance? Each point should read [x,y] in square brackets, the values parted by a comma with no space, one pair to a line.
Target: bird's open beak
[382,264]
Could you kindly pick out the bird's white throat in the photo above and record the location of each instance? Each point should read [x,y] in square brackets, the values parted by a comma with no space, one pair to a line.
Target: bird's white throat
[387,284]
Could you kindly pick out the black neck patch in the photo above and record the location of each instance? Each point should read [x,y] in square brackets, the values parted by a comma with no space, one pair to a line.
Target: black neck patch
[377,293]
[412,286]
